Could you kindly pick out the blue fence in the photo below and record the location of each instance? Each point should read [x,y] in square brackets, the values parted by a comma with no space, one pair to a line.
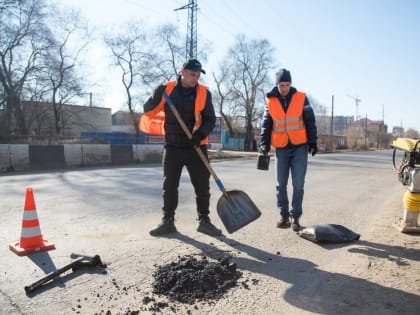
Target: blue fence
[121,138]
[217,136]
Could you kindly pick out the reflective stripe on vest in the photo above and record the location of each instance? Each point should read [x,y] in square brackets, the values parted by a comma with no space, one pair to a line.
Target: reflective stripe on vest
[287,125]
[153,121]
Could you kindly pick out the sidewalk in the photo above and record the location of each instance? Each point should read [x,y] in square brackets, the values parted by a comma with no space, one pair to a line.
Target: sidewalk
[227,154]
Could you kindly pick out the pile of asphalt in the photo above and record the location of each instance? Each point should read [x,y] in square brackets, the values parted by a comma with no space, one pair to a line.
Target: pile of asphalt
[178,287]
[189,279]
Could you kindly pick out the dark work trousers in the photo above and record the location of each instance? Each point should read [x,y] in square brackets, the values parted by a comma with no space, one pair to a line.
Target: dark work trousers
[174,159]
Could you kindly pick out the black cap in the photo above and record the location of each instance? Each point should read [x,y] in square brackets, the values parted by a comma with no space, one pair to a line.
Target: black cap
[283,75]
[193,65]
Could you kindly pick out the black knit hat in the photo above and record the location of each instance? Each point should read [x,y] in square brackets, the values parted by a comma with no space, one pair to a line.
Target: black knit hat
[283,75]
[193,65]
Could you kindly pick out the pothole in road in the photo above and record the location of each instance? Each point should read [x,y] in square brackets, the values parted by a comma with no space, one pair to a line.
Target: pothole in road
[189,279]
[178,285]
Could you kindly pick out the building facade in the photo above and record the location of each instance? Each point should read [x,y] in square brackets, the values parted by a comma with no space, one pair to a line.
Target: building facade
[65,120]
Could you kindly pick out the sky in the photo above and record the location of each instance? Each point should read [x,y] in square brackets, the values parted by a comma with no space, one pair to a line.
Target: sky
[335,49]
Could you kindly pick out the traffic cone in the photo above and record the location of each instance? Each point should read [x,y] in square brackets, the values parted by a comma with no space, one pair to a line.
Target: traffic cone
[31,238]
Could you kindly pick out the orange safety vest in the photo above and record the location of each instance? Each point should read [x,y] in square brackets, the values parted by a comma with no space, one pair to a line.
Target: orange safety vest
[153,121]
[287,125]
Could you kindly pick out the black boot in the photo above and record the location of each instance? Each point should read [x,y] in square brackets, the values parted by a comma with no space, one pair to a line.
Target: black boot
[205,226]
[295,224]
[284,222]
[165,227]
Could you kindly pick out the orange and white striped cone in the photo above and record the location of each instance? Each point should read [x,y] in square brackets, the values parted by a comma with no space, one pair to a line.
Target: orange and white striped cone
[31,239]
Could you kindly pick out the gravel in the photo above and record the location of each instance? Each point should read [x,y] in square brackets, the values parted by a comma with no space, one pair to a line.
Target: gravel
[189,279]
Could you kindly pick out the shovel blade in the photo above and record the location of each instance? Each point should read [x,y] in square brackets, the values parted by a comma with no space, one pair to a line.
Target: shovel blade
[236,210]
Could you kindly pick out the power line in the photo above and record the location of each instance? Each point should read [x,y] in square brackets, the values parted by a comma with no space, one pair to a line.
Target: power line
[156,13]
[242,20]
[216,22]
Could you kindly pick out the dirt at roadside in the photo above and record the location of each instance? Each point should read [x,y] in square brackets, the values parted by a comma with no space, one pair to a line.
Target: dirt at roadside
[390,259]
[393,258]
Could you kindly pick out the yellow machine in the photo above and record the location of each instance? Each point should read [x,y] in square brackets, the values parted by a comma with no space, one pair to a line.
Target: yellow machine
[406,162]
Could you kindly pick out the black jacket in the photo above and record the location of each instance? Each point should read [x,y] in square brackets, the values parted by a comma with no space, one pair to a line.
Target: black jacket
[184,102]
[308,119]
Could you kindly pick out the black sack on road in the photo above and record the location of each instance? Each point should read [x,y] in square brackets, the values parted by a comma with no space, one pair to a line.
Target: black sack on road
[328,233]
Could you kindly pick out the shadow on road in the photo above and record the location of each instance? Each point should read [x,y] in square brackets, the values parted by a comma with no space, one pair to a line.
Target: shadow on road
[44,262]
[313,289]
[394,253]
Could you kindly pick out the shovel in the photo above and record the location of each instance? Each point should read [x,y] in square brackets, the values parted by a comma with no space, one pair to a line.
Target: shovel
[234,207]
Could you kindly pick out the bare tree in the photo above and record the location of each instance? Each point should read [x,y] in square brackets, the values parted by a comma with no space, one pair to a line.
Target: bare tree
[143,66]
[412,133]
[61,62]
[355,137]
[134,58]
[384,138]
[248,62]
[169,58]
[323,121]
[318,108]
[22,41]
[222,96]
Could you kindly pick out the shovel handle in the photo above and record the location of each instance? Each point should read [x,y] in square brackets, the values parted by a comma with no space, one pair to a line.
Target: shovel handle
[189,136]
[32,287]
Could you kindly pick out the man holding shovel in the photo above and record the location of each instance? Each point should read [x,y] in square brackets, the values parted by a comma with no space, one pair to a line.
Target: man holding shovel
[289,126]
[193,101]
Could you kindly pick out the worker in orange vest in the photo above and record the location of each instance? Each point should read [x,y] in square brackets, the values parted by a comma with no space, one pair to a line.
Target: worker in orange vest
[193,101]
[289,126]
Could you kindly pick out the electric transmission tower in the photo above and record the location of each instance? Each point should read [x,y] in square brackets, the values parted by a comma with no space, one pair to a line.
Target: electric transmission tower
[191,42]
[357,101]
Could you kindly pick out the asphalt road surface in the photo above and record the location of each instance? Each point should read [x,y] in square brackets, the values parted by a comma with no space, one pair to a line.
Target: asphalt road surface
[109,212]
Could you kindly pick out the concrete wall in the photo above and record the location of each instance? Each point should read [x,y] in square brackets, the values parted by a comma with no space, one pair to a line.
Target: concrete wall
[24,157]
[14,157]
[147,153]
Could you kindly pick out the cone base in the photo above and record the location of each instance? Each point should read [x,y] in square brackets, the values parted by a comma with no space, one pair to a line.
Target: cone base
[18,250]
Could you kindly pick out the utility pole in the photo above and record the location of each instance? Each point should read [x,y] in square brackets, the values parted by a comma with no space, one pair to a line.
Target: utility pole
[332,115]
[383,114]
[332,124]
[366,130]
[191,42]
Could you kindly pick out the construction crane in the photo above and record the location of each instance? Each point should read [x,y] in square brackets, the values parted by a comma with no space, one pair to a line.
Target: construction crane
[357,100]
[191,42]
